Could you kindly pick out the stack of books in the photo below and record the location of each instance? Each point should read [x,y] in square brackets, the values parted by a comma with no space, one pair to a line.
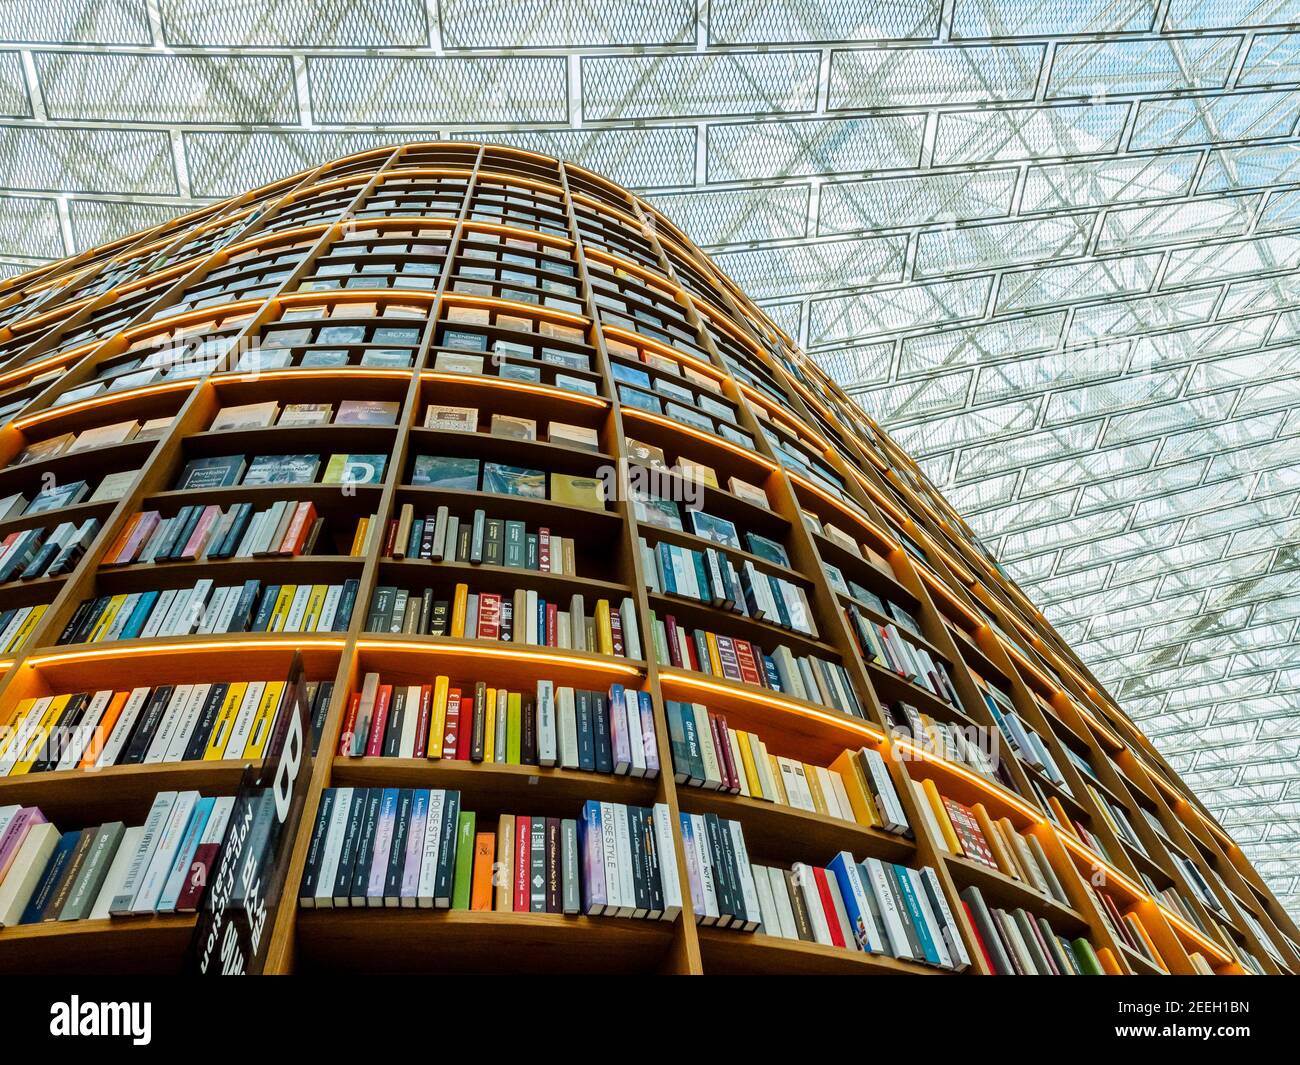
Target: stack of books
[227,470]
[1015,942]
[39,552]
[444,537]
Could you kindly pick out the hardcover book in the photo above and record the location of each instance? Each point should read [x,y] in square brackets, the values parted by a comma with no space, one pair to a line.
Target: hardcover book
[367,412]
[514,480]
[355,469]
[216,472]
[441,471]
[455,419]
[282,469]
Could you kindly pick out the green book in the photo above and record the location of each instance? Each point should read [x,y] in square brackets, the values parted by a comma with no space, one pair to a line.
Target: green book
[1087,959]
[464,861]
[514,729]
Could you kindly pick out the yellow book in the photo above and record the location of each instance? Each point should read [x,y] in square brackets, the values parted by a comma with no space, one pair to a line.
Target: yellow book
[490,726]
[933,797]
[9,735]
[1108,962]
[280,612]
[715,660]
[815,789]
[314,603]
[106,618]
[514,728]
[855,783]
[216,748]
[750,769]
[459,608]
[604,634]
[265,718]
[577,491]
[40,737]
[438,717]
[25,629]
[359,538]
[774,768]
[993,838]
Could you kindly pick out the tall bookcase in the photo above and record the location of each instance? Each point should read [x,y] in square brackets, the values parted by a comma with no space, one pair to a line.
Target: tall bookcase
[396,247]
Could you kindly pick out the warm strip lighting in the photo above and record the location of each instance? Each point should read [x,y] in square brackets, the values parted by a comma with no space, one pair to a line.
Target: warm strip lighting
[989,787]
[950,597]
[106,400]
[605,209]
[33,369]
[495,177]
[626,265]
[773,700]
[1193,934]
[109,651]
[517,231]
[209,315]
[253,376]
[508,651]
[479,381]
[1044,681]
[700,434]
[528,310]
[861,519]
[63,310]
[637,340]
[880,499]
[794,425]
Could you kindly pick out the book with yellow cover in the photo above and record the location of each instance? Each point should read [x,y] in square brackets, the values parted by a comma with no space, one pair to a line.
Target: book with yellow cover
[604,634]
[216,748]
[577,491]
[438,717]
[459,608]
[935,801]
[266,709]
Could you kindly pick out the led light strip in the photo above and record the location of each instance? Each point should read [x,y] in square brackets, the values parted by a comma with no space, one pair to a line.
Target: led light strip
[267,642]
[700,434]
[508,652]
[479,381]
[107,399]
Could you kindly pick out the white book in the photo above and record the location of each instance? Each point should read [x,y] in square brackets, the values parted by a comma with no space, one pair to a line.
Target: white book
[167,726]
[748,889]
[829,794]
[737,759]
[764,763]
[636,742]
[424,892]
[708,749]
[161,610]
[112,749]
[411,722]
[530,620]
[197,607]
[817,916]
[76,744]
[578,622]
[25,872]
[228,608]
[213,613]
[114,630]
[668,870]
[503,726]
[297,608]
[332,850]
[122,858]
[28,731]
[11,630]
[886,903]
[547,739]
[244,718]
[704,863]
[626,879]
[631,631]
[124,900]
[164,852]
[566,712]
[771,923]
[884,788]
[186,723]
[177,613]
[7,814]
[784,907]
[325,623]
[251,534]
[951,933]
[841,795]
[266,532]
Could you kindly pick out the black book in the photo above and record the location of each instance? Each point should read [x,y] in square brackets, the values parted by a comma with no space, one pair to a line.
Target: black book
[426,610]
[733,873]
[41,558]
[722,882]
[316,851]
[655,870]
[91,618]
[439,618]
[463,537]
[494,543]
[447,850]
[365,855]
[31,546]
[347,601]
[193,516]
[68,635]
[381,609]
[348,852]
[235,533]
[393,730]
[207,720]
[528,734]
[553,865]
[146,725]
[640,884]
[397,853]
[75,548]
[537,865]
[477,736]
[265,608]
[506,622]
[52,750]
[239,619]
[601,740]
[319,711]
[586,731]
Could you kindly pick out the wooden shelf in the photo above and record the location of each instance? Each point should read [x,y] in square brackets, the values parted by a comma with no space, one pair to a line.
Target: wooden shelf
[754,954]
[1002,890]
[385,940]
[126,946]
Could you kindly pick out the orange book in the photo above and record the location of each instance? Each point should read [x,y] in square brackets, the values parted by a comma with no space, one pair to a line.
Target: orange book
[994,839]
[859,791]
[103,729]
[295,536]
[1062,818]
[1108,962]
[485,850]
[115,548]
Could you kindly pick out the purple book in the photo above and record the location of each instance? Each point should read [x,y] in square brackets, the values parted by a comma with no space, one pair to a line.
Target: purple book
[593,858]
[648,735]
[415,847]
[24,820]
[383,845]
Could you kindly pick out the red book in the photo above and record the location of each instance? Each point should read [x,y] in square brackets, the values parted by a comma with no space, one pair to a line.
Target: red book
[196,880]
[450,739]
[295,536]
[828,907]
[730,781]
[616,631]
[674,648]
[489,616]
[552,620]
[379,721]
[979,939]
[748,666]
[349,725]
[692,653]
[390,540]
[422,724]
[465,734]
[727,658]
[543,553]
[523,857]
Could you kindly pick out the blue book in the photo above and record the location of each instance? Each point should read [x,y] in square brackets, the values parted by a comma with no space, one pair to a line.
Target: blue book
[600,733]
[180,866]
[845,870]
[919,925]
[49,882]
[140,615]
[665,550]
[591,842]
[586,731]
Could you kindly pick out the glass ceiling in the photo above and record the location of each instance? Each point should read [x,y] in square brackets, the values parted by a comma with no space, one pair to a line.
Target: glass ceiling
[1052,245]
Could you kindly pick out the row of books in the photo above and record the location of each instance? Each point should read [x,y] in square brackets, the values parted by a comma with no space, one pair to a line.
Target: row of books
[1016,943]
[39,552]
[971,832]
[443,536]
[884,645]
[599,732]
[812,679]
[524,617]
[100,436]
[223,471]
[148,726]
[463,474]
[110,870]
[16,625]
[953,743]
[711,577]
[707,753]
[1125,928]
[65,494]
[466,420]
[1025,743]
[267,413]
[419,848]
[286,528]
[207,608]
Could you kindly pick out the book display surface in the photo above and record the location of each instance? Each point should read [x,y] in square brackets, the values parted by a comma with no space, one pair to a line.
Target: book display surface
[630,643]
